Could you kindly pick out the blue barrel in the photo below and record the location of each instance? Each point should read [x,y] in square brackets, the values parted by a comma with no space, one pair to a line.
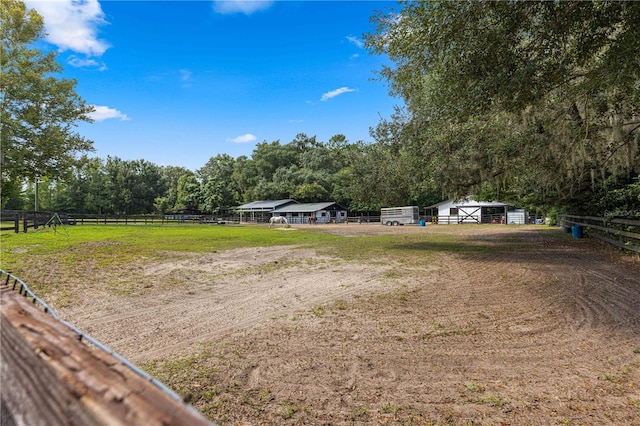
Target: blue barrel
[422,223]
[576,231]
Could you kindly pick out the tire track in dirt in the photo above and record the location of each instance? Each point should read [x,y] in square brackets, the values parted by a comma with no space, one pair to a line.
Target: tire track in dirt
[499,282]
[591,284]
[559,298]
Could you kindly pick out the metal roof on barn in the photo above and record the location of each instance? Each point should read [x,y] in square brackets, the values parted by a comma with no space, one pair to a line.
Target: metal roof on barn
[264,206]
[308,207]
[470,203]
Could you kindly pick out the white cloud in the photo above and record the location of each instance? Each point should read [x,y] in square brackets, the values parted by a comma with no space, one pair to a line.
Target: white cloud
[102,113]
[355,40]
[240,6]
[72,25]
[76,62]
[247,137]
[337,92]
[185,75]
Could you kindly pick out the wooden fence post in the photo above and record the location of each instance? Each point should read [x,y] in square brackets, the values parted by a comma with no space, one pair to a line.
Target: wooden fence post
[49,377]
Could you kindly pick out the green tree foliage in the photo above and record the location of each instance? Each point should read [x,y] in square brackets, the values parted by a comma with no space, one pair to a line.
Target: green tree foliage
[171,176]
[189,193]
[307,171]
[212,195]
[244,179]
[269,157]
[539,101]
[304,169]
[310,192]
[39,111]
[220,169]
[391,172]
[94,182]
[132,186]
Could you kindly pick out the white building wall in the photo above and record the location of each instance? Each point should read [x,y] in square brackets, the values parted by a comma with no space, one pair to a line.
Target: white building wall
[517,217]
[443,210]
[472,213]
[466,214]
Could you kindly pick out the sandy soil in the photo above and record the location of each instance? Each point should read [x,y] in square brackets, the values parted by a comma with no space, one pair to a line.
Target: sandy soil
[538,330]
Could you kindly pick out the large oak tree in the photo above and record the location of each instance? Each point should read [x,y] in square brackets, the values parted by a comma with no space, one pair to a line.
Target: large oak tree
[536,101]
[39,111]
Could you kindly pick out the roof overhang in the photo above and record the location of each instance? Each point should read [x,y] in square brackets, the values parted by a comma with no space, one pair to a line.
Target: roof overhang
[468,202]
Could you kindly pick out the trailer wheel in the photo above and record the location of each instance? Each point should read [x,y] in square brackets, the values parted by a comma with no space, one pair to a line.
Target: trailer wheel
[396,223]
[388,223]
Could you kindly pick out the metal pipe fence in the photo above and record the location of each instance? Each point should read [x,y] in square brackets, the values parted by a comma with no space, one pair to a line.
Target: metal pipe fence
[8,279]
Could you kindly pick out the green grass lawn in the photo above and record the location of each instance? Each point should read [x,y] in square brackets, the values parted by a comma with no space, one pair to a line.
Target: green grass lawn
[143,240]
[81,254]
[75,258]
[120,243]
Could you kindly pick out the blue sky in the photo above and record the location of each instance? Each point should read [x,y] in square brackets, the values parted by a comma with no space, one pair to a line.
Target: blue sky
[178,82]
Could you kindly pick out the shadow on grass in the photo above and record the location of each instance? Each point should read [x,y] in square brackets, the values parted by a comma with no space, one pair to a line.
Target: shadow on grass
[546,246]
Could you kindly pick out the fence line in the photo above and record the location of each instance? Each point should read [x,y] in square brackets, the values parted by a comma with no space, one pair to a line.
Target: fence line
[623,233]
[190,413]
[21,220]
[16,220]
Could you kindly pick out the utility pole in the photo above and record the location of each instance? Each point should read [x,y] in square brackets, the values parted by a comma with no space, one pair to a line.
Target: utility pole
[37,195]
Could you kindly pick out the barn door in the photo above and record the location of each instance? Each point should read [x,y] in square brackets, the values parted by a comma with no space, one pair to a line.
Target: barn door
[472,213]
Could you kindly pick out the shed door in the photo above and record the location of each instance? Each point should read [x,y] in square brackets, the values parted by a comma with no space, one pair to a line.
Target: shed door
[469,215]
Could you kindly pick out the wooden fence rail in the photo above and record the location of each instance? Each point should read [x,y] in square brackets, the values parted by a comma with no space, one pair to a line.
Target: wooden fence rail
[22,220]
[623,233]
[50,376]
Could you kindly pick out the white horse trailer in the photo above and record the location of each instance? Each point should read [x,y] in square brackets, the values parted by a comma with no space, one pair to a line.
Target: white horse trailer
[399,215]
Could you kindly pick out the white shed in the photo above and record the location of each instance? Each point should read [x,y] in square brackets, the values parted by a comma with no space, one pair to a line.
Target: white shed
[469,210]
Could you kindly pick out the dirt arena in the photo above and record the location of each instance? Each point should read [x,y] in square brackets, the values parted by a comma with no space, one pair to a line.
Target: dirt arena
[538,329]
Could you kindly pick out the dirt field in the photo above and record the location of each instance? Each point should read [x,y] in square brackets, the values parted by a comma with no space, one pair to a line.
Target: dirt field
[540,329]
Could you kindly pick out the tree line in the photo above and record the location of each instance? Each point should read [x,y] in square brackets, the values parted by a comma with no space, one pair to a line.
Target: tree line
[304,169]
[535,103]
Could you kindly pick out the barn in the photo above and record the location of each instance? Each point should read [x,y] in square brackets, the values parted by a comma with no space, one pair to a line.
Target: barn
[260,211]
[327,212]
[469,210]
[295,212]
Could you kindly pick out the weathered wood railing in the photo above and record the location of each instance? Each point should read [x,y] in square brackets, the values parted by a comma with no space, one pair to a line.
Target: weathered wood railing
[21,220]
[100,219]
[52,374]
[623,233]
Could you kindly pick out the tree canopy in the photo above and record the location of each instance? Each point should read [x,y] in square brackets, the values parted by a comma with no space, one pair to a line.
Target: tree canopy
[536,101]
[359,176]
[39,111]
